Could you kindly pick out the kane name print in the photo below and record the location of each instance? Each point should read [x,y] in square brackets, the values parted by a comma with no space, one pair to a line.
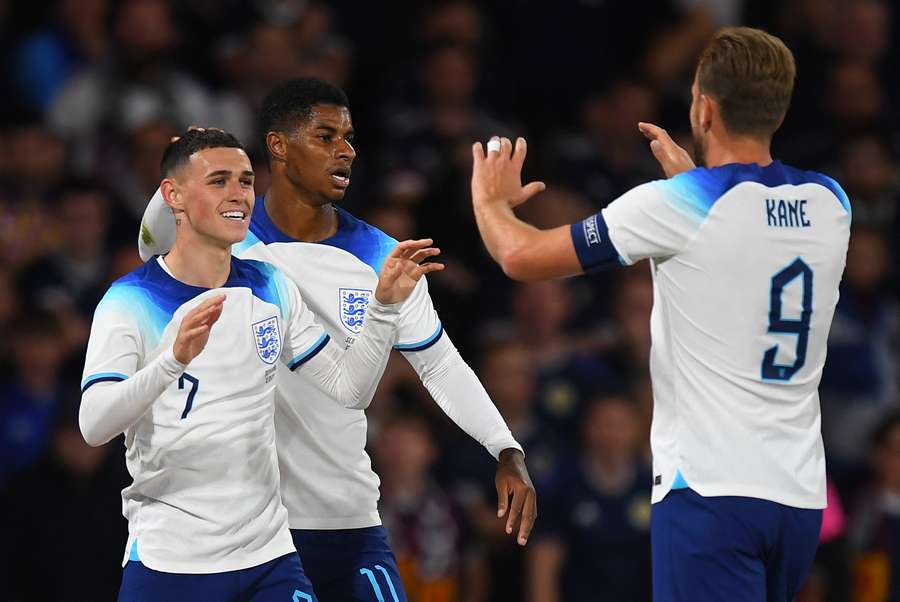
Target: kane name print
[781,213]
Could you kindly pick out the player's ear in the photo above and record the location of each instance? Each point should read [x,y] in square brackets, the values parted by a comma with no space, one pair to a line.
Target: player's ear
[276,143]
[707,107]
[171,194]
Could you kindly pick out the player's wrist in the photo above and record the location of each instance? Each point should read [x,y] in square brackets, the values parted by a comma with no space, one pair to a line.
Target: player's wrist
[170,362]
[511,454]
[383,308]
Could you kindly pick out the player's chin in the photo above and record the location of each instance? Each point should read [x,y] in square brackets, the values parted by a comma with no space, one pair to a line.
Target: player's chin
[235,233]
[335,193]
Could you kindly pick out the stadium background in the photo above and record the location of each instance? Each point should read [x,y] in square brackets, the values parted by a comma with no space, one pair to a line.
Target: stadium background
[94,89]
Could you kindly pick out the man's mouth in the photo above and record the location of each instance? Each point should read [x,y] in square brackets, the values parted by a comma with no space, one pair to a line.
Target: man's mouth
[341,176]
[234,215]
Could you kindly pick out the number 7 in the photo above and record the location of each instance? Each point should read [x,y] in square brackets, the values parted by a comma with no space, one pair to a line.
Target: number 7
[195,383]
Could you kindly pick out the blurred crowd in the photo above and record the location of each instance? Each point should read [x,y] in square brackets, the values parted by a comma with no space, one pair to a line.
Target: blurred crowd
[96,88]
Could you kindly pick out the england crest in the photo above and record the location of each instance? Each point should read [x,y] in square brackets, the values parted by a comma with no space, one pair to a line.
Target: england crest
[354,302]
[268,339]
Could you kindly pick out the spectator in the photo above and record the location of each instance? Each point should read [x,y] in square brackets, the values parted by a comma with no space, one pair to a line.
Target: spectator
[426,528]
[607,155]
[37,162]
[593,541]
[872,179]
[507,372]
[28,400]
[876,519]
[71,280]
[67,504]
[139,79]
[567,375]
[50,57]
[860,380]
[134,174]
[629,353]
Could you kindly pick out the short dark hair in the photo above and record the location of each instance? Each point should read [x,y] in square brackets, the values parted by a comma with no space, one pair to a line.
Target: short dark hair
[291,102]
[179,152]
[750,73]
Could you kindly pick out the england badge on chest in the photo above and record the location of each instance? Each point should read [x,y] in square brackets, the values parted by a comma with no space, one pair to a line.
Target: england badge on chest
[353,308]
[268,339]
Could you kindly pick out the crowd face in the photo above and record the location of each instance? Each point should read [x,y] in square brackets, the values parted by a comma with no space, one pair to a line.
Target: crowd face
[867,261]
[84,221]
[405,451]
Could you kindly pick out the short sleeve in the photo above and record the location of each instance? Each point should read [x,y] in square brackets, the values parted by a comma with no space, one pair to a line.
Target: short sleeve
[657,219]
[304,337]
[419,326]
[115,346]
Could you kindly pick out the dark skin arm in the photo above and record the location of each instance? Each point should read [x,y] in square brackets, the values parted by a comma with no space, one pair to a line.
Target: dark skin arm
[513,481]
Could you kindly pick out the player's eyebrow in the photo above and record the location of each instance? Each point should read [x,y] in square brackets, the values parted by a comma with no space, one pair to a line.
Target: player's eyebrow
[330,129]
[226,172]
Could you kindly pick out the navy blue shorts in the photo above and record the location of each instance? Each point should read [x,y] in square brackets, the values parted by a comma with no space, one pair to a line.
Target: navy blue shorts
[738,549]
[350,565]
[279,580]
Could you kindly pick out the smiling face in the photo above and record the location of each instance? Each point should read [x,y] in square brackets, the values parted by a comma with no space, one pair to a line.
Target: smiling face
[318,156]
[212,195]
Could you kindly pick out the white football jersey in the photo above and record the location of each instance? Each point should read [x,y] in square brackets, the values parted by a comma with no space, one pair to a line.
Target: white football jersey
[327,481]
[203,458]
[746,264]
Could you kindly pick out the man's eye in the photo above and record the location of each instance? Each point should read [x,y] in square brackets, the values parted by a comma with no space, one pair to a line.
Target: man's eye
[325,138]
[247,182]
[218,181]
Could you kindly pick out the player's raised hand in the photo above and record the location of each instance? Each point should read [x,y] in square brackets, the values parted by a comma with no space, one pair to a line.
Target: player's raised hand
[193,333]
[512,480]
[497,175]
[672,158]
[403,268]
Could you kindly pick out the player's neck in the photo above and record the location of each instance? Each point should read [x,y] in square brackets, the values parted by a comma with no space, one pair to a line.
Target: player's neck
[199,263]
[724,149]
[299,217]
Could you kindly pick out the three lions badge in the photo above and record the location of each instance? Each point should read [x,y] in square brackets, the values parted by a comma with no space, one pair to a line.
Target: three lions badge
[268,339]
[354,302]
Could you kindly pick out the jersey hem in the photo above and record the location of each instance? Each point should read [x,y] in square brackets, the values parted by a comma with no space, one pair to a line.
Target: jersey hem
[805,502]
[336,523]
[272,551]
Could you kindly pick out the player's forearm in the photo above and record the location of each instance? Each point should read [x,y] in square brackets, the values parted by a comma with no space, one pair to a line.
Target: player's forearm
[524,252]
[459,393]
[506,237]
[349,375]
[110,408]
